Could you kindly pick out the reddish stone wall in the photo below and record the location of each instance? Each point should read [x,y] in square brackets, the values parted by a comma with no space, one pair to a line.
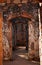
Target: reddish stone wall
[30,8]
[1,50]
[24,1]
[33,39]
[34,33]
[7,40]
[40,36]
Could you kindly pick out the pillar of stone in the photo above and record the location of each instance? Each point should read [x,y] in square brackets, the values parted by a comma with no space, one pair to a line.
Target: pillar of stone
[10,40]
[7,40]
[33,25]
[31,51]
[40,35]
[40,44]
[1,52]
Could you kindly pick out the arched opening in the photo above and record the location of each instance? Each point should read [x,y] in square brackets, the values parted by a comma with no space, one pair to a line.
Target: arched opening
[17,22]
[20,36]
[20,31]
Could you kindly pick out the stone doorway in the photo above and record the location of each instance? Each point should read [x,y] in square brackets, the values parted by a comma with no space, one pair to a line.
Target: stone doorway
[20,36]
[19,32]
[33,27]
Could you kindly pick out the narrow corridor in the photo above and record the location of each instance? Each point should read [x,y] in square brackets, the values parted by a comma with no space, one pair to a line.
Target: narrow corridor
[20,58]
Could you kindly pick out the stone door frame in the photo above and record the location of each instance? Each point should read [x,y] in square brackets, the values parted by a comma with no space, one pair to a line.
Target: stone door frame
[26,22]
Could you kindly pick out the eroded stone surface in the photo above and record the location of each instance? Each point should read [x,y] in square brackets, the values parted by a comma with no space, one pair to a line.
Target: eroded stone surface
[32,9]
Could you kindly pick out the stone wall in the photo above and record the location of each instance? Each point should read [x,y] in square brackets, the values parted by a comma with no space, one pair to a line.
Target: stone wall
[33,32]
[33,39]
[31,8]
[7,40]
[40,34]
[1,48]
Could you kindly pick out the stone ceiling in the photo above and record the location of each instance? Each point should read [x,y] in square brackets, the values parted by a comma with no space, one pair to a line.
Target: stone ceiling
[1,1]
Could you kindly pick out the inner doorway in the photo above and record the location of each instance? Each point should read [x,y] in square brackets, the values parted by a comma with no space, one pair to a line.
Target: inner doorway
[20,35]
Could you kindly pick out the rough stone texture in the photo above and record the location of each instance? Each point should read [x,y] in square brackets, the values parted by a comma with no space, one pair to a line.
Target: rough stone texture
[34,32]
[33,39]
[15,1]
[7,43]
[40,37]
[31,8]
[1,51]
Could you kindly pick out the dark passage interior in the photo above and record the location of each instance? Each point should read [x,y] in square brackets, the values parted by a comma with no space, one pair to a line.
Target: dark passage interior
[19,32]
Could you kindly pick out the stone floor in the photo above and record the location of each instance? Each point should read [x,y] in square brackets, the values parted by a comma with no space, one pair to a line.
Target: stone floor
[20,57]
